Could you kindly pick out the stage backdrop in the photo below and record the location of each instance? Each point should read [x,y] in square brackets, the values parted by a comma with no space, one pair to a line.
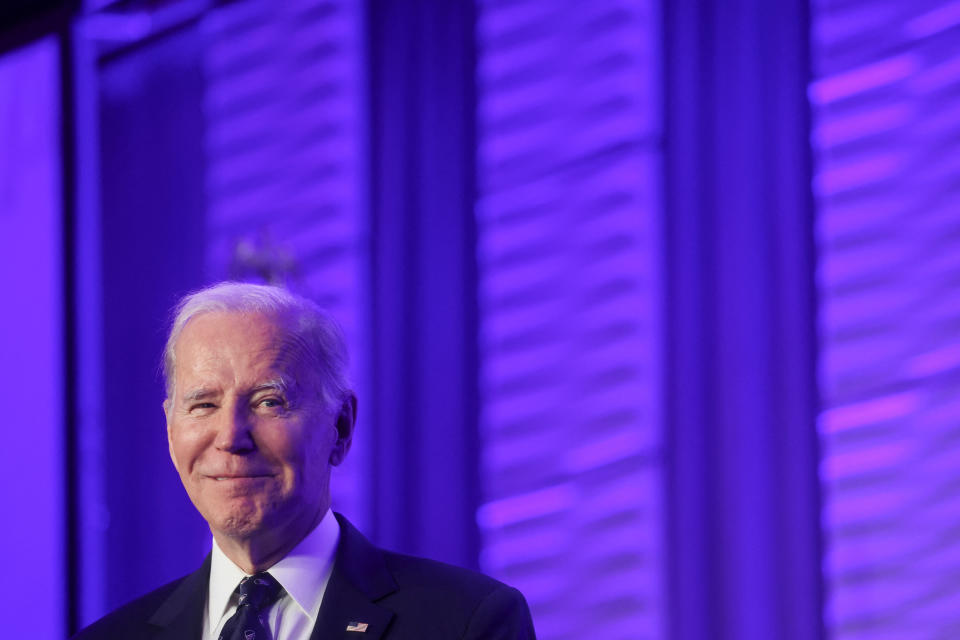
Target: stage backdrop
[650,303]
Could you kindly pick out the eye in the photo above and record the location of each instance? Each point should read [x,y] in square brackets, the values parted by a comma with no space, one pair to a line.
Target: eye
[201,407]
[270,402]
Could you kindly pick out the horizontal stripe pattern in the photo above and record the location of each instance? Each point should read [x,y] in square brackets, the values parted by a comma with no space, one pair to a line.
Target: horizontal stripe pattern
[567,211]
[886,107]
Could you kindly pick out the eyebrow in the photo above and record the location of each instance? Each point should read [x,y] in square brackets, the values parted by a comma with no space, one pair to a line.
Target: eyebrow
[278,385]
[199,394]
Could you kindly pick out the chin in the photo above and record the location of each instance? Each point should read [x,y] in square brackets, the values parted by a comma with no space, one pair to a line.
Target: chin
[238,522]
[236,527]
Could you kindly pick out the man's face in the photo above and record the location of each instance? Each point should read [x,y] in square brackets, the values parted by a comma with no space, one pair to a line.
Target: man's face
[248,430]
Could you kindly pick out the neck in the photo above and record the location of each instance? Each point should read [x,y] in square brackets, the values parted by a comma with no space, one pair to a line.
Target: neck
[260,552]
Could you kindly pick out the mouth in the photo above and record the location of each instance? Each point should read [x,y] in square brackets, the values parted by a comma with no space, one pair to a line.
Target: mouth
[245,476]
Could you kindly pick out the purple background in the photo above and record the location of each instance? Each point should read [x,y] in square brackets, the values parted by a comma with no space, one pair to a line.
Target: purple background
[650,304]
[31,349]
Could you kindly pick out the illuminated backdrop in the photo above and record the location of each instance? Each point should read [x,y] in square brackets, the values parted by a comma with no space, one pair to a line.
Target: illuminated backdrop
[650,303]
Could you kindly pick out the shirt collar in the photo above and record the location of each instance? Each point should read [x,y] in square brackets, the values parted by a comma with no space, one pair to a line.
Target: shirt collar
[303,573]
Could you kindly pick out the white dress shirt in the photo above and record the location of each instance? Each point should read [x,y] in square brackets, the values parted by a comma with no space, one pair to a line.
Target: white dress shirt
[303,574]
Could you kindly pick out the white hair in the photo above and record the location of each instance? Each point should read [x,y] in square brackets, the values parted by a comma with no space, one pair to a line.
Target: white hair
[304,319]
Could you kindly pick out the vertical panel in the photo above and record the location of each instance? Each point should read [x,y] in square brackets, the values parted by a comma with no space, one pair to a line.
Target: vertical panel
[31,343]
[567,212]
[283,109]
[886,103]
[92,512]
[421,72]
[744,539]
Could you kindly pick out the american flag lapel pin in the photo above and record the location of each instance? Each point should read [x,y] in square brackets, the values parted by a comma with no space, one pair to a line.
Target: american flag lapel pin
[359,627]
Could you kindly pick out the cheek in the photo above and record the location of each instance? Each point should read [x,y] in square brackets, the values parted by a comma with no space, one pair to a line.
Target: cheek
[310,454]
[186,445]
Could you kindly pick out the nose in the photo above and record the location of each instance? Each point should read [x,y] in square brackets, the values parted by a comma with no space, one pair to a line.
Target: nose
[234,433]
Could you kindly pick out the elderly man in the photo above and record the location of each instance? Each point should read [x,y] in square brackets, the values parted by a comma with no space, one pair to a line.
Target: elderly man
[258,410]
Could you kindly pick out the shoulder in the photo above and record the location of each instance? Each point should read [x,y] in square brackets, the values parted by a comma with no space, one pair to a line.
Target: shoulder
[425,598]
[125,621]
[471,603]
[411,572]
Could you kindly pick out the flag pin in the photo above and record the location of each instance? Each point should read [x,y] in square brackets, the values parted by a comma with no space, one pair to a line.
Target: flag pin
[357,626]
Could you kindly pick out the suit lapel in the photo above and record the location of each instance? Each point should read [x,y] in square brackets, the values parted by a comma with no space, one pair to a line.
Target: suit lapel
[359,578]
[180,616]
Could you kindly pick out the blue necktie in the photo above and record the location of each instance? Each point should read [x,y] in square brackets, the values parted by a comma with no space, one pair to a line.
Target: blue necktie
[257,593]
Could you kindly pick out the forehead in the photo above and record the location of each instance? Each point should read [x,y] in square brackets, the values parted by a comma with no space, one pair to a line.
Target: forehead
[242,340]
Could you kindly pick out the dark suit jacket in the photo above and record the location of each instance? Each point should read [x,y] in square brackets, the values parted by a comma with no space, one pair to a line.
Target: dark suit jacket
[399,597]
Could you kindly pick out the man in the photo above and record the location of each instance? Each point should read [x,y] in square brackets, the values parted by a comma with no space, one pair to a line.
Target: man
[258,410]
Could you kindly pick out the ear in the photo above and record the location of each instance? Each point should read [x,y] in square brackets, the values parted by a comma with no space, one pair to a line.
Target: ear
[346,420]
